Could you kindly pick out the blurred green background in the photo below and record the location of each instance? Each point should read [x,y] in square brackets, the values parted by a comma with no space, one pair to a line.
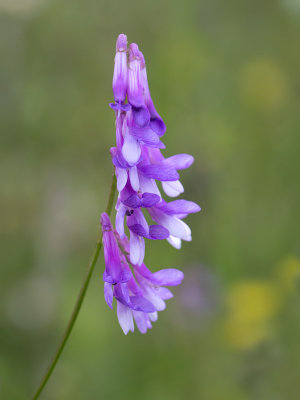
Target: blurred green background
[225,77]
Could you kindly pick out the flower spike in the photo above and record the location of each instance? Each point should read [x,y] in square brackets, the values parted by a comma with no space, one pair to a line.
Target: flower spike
[139,163]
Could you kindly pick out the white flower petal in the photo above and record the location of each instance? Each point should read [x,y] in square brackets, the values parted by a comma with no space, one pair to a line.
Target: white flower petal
[120,220]
[174,241]
[148,185]
[131,149]
[140,219]
[125,318]
[142,251]
[178,228]
[121,178]
[134,178]
[154,298]
[173,188]
[137,249]
[175,226]
[153,316]
[141,321]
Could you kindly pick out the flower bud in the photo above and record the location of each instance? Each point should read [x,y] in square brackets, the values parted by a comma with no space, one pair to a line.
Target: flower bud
[120,72]
[140,112]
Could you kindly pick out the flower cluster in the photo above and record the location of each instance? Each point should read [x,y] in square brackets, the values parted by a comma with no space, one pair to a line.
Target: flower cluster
[139,163]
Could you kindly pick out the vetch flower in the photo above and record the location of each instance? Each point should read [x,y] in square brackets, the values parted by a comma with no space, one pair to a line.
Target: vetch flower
[142,293]
[170,215]
[141,114]
[120,75]
[139,164]
[156,122]
[116,269]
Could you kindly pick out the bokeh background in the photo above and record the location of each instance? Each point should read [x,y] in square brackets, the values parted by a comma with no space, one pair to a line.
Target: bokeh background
[225,77]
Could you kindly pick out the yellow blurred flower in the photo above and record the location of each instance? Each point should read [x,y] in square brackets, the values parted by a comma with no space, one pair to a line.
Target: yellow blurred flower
[289,273]
[251,307]
[263,85]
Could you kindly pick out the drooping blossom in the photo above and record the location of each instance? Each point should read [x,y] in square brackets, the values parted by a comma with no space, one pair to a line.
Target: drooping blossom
[139,163]
[139,293]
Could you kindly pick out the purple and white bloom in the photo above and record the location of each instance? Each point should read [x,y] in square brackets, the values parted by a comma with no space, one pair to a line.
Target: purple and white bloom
[142,293]
[141,114]
[129,205]
[139,164]
[116,270]
[120,75]
[156,122]
[170,215]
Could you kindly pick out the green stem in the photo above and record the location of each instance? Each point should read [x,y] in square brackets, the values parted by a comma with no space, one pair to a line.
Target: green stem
[80,297]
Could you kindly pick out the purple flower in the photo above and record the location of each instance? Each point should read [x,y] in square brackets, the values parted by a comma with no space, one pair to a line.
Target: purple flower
[141,114]
[170,215]
[156,122]
[139,163]
[120,75]
[116,270]
[143,294]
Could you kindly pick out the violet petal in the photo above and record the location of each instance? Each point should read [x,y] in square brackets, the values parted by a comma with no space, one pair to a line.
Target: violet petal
[158,125]
[138,229]
[179,161]
[164,293]
[168,277]
[133,201]
[108,294]
[120,220]
[150,199]
[139,303]
[125,318]
[158,232]
[115,106]
[155,299]
[115,271]
[141,321]
[121,293]
[125,107]
[141,116]
[179,207]
[160,172]
[147,136]
[119,276]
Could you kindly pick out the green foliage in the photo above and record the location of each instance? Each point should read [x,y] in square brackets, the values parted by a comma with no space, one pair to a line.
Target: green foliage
[225,77]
